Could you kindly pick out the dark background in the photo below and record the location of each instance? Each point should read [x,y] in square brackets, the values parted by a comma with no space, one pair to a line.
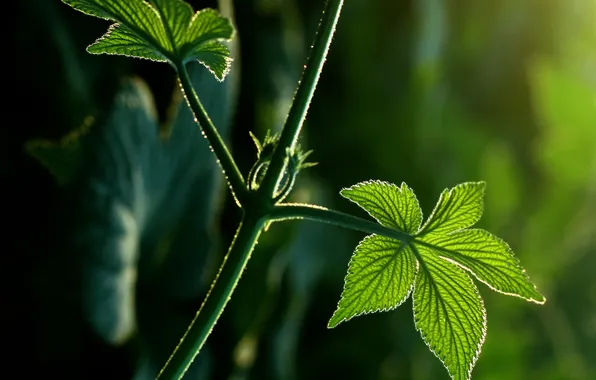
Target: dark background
[431,92]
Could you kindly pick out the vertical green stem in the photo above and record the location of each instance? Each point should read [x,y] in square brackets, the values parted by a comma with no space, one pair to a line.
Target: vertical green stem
[253,222]
[216,300]
[228,165]
[303,97]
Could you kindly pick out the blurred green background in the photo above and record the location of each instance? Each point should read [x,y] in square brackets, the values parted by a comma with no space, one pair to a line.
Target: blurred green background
[110,264]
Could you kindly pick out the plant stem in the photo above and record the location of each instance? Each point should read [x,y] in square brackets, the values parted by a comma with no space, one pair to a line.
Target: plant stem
[216,300]
[253,221]
[321,214]
[303,97]
[225,159]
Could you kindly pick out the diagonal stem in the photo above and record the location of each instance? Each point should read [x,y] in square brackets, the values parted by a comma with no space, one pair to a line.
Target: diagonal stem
[225,159]
[303,97]
[218,296]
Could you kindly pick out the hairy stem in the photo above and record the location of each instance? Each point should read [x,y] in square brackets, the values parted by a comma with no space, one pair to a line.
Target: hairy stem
[253,222]
[321,214]
[225,159]
[216,300]
[303,97]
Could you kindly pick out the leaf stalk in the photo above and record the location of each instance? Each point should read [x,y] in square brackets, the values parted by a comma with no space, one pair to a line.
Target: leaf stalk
[287,211]
[226,161]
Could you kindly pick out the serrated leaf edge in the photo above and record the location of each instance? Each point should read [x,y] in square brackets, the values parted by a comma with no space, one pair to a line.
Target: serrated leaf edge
[107,34]
[228,59]
[154,45]
[515,258]
[400,188]
[211,10]
[448,192]
[465,270]
[480,343]
[224,73]
[365,312]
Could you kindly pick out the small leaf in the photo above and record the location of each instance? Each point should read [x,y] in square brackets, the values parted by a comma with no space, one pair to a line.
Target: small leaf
[120,40]
[162,30]
[63,159]
[176,16]
[392,206]
[488,258]
[206,25]
[449,313]
[380,277]
[214,56]
[460,207]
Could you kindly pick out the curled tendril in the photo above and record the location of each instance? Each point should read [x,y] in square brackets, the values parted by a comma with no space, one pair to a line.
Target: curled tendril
[296,161]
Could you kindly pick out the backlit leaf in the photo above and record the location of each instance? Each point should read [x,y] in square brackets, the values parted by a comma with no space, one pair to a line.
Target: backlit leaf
[448,310]
[162,30]
[488,258]
[380,277]
[449,314]
[392,206]
[460,207]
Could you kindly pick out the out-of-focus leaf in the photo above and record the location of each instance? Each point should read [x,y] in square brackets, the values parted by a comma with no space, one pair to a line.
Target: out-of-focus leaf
[499,169]
[135,191]
[124,188]
[178,265]
[566,107]
[196,172]
[430,44]
[146,211]
[64,159]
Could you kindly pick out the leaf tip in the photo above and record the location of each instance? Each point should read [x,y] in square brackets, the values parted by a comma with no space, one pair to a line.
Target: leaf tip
[345,192]
[537,298]
[335,320]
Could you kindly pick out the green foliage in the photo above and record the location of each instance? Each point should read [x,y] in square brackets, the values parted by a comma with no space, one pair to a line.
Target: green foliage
[63,159]
[566,109]
[135,188]
[448,310]
[162,30]
[468,106]
[132,186]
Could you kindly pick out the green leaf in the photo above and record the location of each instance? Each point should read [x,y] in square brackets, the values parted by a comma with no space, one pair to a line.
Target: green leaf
[380,277]
[449,313]
[162,30]
[115,200]
[63,159]
[392,206]
[448,310]
[488,258]
[134,193]
[460,207]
